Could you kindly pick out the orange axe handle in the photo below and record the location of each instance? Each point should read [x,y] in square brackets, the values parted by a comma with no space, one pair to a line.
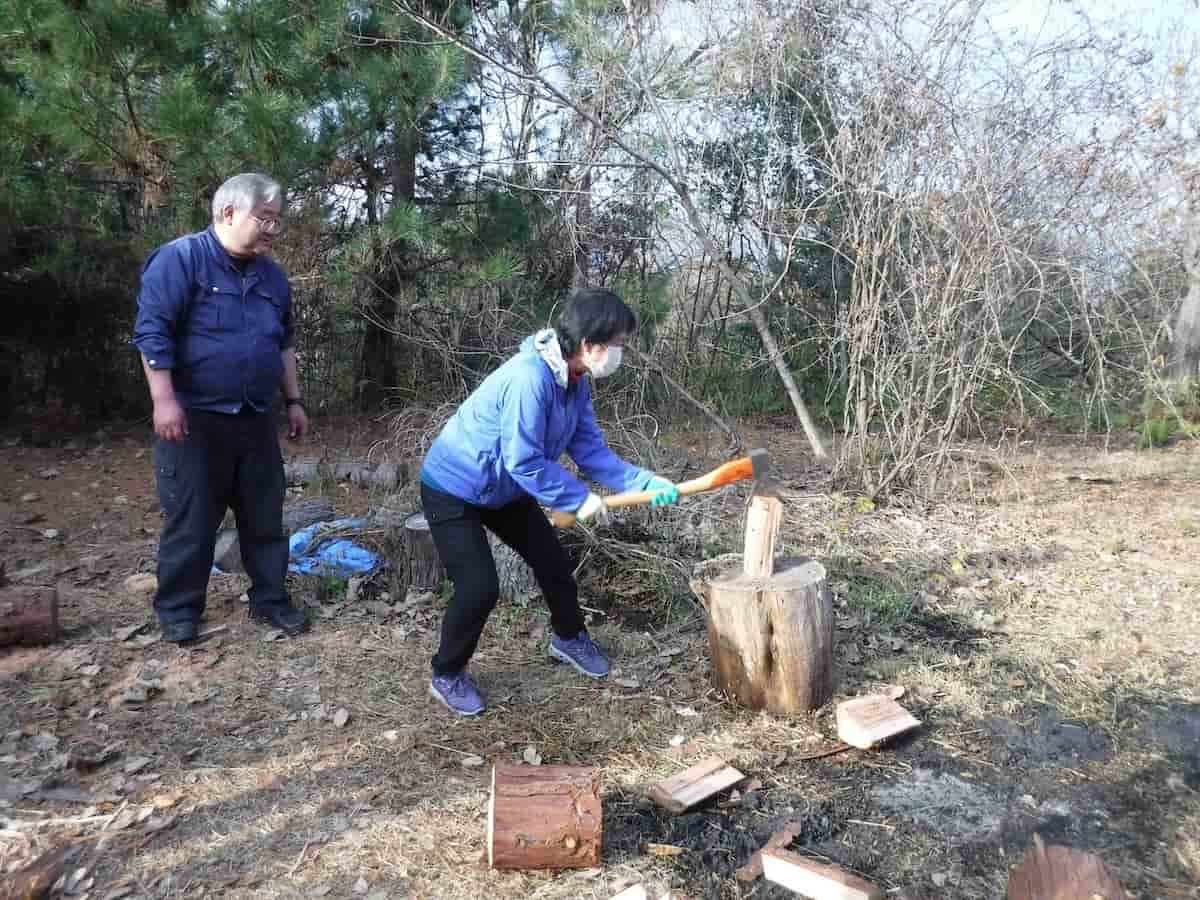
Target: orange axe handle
[732,471]
[728,473]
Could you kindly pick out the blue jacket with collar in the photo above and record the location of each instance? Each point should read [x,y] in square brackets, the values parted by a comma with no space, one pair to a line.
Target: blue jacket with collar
[506,438]
[221,332]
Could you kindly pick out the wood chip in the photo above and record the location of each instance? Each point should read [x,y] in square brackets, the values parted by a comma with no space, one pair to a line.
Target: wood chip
[691,786]
[124,634]
[867,721]
[662,849]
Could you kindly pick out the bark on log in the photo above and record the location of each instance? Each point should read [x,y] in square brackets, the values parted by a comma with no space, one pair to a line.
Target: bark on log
[544,817]
[1062,873]
[28,616]
[771,638]
[297,515]
[383,475]
[517,584]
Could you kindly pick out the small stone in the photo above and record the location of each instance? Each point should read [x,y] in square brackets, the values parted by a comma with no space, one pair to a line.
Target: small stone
[141,583]
[940,879]
[51,533]
[341,717]
[361,886]
[31,497]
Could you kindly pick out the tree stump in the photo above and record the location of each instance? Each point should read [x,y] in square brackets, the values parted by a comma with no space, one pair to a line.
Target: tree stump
[517,584]
[425,569]
[28,616]
[770,623]
[544,817]
[771,639]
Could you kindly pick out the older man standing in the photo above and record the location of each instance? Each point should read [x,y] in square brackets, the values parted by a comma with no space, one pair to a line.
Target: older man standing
[215,331]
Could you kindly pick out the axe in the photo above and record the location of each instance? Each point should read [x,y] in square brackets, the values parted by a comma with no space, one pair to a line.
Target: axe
[754,465]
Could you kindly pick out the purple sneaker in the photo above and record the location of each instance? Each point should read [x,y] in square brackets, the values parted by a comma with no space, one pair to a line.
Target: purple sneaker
[457,693]
[582,653]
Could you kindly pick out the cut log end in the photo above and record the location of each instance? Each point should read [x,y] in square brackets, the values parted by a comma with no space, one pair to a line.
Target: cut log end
[1062,873]
[544,817]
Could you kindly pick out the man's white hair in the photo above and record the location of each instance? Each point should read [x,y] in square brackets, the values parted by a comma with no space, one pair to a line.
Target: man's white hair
[245,192]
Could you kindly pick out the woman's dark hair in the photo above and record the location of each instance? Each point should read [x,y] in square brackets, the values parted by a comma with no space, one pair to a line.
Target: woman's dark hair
[595,315]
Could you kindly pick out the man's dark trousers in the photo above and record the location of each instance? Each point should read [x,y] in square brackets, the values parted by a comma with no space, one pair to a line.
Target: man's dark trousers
[224,461]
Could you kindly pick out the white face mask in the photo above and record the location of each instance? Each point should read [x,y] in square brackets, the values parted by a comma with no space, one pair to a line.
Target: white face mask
[608,363]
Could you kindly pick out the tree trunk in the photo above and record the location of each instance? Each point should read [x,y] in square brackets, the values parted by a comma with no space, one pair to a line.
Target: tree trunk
[544,817]
[1185,339]
[383,475]
[771,638]
[378,371]
[28,616]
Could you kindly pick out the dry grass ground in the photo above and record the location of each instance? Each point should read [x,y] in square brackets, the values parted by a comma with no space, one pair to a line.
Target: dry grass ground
[1041,617]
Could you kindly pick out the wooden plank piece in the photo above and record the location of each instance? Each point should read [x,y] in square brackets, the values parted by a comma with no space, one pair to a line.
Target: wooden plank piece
[866,721]
[691,786]
[762,530]
[814,880]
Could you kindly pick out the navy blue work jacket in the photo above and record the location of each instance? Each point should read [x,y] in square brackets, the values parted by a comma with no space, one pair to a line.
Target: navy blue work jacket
[221,332]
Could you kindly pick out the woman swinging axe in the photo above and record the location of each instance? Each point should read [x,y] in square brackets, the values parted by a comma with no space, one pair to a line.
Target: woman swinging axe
[495,463]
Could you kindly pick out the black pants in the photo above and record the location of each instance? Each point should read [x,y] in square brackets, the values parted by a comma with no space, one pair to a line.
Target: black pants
[225,460]
[457,530]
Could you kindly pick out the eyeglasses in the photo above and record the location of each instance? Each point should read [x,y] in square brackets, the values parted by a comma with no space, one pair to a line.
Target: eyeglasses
[268,225]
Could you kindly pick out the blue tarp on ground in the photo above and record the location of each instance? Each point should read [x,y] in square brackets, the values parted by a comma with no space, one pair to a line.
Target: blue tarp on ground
[309,553]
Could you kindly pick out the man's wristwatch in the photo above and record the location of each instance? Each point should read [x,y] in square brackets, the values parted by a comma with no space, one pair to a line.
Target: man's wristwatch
[294,401]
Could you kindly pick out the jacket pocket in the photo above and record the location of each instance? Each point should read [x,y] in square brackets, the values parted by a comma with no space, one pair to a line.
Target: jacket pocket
[214,309]
[440,507]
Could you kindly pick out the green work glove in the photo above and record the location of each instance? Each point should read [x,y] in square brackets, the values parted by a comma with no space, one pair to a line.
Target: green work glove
[667,494]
